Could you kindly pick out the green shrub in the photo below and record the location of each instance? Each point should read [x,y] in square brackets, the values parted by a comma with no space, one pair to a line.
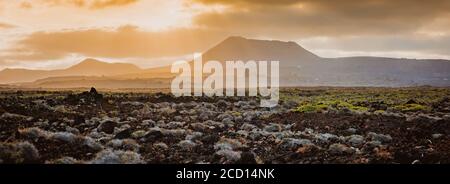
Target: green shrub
[312,108]
[411,108]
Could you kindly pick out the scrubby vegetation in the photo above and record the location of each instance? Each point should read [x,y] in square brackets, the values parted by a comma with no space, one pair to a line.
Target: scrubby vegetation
[365,99]
[310,125]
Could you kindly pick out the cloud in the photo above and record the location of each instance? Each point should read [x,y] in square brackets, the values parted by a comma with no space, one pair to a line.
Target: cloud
[109,3]
[93,4]
[6,26]
[308,18]
[419,44]
[248,2]
[25,5]
[123,42]
[131,42]
[377,26]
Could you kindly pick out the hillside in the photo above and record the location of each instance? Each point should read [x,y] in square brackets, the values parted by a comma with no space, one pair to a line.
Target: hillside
[87,67]
[298,67]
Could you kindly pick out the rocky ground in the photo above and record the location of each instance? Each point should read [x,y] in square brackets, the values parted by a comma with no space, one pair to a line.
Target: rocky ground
[93,127]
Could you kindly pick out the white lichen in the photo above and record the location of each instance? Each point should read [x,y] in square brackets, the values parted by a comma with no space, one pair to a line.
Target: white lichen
[64,136]
[124,144]
[186,144]
[64,160]
[19,152]
[109,156]
[194,136]
[228,144]
[160,145]
[229,155]
[292,143]
[34,133]
[91,143]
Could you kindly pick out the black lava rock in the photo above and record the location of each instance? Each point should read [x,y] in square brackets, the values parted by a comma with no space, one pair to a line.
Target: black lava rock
[124,134]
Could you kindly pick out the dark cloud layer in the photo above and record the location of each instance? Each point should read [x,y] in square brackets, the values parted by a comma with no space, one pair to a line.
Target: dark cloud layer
[248,2]
[351,25]
[324,17]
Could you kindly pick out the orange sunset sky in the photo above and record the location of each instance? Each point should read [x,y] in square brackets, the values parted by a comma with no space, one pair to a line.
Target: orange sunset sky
[49,34]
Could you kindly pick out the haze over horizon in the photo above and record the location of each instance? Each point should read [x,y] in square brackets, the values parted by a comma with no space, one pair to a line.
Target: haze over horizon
[298,67]
[56,34]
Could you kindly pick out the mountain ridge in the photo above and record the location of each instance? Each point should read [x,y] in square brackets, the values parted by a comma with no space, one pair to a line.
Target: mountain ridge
[87,67]
[298,66]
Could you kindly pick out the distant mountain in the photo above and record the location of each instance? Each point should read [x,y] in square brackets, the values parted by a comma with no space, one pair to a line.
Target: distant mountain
[379,71]
[239,48]
[298,67]
[98,68]
[88,67]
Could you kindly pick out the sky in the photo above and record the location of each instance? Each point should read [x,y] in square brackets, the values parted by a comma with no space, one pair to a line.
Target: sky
[50,34]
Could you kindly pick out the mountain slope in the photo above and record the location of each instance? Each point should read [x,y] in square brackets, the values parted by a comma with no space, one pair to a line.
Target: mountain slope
[97,68]
[239,48]
[298,67]
[378,71]
[88,67]
[235,48]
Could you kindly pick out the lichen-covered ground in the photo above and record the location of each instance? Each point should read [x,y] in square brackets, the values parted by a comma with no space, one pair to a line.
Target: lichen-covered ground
[311,125]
